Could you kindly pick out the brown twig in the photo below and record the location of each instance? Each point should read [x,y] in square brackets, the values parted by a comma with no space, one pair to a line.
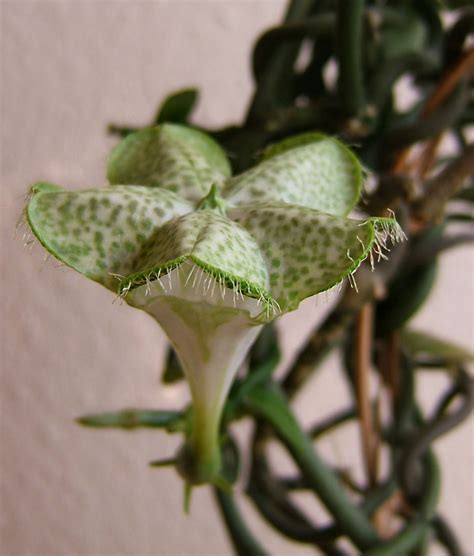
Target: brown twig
[390,365]
[428,156]
[463,68]
[363,352]
[439,190]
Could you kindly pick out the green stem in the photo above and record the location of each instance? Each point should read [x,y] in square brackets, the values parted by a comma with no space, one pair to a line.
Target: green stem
[199,460]
[351,81]
[270,404]
[402,543]
[332,422]
[275,84]
[271,499]
[413,534]
[205,444]
[243,540]
[298,9]
[446,536]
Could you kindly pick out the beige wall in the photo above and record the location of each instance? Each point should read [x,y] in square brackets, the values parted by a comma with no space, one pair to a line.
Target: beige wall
[68,68]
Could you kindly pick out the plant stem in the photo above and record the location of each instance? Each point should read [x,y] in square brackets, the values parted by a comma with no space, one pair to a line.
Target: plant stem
[271,498]
[410,537]
[331,422]
[205,443]
[446,536]
[349,37]
[243,540]
[275,84]
[363,353]
[271,404]
[439,190]
[298,9]
[463,67]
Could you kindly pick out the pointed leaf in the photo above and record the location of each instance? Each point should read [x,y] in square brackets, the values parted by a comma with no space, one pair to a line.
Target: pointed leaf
[307,251]
[310,170]
[177,107]
[170,156]
[99,232]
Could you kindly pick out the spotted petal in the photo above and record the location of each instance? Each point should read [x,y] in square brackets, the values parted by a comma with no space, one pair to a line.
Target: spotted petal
[310,170]
[170,156]
[224,250]
[307,251]
[99,232]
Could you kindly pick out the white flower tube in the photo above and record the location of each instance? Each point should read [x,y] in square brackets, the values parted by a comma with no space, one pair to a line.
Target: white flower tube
[211,329]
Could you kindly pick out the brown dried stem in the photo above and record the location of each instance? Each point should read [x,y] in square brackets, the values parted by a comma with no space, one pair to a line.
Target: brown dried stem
[462,69]
[439,190]
[363,356]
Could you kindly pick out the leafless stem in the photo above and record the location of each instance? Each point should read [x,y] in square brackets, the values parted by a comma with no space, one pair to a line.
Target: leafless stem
[363,351]
[462,69]
[438,190]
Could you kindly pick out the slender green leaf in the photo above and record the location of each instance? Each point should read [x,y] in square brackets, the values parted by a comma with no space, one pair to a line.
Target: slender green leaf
[422,343]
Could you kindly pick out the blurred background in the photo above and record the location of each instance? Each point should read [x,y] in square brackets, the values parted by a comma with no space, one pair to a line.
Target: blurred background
[68,69]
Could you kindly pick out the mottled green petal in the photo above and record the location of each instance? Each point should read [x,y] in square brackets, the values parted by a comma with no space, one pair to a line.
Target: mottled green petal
[307,251]
[292,142]
[322,174]
[99,232]
[212,242]
[169,156]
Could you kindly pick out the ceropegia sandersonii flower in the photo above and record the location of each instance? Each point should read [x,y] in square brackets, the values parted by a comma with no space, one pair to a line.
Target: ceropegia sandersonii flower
[212,257]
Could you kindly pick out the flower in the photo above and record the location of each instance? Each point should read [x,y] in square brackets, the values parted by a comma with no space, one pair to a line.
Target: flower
[212,257]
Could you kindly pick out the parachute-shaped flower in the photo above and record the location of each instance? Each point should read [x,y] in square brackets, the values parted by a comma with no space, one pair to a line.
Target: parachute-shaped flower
[212,257]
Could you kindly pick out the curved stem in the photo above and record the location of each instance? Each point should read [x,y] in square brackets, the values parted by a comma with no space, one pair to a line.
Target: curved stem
[245,544]
[446,536]
[332,422]
[271,499]
[270,404]
[298,9]
[411,536]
